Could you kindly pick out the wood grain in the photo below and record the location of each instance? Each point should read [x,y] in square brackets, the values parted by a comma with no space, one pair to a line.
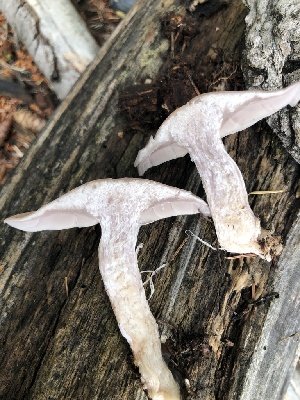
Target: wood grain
[59,337]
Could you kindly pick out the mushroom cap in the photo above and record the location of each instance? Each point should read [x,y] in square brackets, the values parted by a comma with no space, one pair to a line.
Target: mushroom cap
[249,106]
[232,112]
[197,128]
[147,201]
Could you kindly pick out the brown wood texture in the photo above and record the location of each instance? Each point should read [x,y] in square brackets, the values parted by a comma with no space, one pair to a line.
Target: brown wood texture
[59,337]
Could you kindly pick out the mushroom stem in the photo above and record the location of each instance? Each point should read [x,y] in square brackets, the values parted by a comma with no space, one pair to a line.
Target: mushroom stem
[197,128]
[121,206]
[236,226]
[122,279]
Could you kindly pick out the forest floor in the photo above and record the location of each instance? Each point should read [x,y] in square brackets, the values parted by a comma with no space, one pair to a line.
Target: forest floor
[26,101]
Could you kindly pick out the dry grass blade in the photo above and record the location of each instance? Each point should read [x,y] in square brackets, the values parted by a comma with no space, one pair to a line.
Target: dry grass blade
[267,191]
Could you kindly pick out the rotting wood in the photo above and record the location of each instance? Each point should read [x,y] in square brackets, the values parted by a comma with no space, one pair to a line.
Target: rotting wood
[56,345]
[56,38]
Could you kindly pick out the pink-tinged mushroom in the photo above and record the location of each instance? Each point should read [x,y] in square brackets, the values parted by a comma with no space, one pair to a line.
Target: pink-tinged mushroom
[121,206]
[197,129]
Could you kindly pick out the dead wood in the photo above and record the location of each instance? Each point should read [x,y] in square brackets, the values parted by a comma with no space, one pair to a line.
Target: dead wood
[55,36]
[226,321]
[272,57]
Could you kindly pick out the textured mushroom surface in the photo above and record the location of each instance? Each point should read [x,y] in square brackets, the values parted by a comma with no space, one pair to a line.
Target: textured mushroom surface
[121,206]
[197,128]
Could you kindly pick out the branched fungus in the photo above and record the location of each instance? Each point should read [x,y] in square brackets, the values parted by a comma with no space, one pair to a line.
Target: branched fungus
[121,206]
[197,128]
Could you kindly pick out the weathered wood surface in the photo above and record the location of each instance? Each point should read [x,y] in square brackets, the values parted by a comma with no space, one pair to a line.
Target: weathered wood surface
[271,60]
[272,57]
[55,36]
[65,344]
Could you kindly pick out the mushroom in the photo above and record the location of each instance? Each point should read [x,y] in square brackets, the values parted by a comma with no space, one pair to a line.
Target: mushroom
[121,206]
[197,129]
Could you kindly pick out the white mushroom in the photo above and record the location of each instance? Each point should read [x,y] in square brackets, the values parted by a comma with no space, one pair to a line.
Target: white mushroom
[121,206]
[197,129]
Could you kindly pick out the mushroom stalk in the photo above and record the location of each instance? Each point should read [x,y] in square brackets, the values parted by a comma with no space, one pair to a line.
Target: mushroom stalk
[121,206]
[123,283]
[236,226]
[197,129]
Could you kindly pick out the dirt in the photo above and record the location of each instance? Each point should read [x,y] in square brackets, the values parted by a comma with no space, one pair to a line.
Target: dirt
[26,101]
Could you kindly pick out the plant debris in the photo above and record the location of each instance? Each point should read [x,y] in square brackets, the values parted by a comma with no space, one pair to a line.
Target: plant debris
[26,101]
[184,76]
[23,92]
[99,17]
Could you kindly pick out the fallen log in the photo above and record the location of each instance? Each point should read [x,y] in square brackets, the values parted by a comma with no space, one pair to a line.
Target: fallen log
[55,36]
[223,321]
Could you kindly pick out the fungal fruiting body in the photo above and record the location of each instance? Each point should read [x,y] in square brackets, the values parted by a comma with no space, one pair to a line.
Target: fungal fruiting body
[121,206]
[197,128]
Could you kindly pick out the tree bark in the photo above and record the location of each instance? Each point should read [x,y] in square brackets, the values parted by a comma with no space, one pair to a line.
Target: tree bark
[225,326]
[271,59]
